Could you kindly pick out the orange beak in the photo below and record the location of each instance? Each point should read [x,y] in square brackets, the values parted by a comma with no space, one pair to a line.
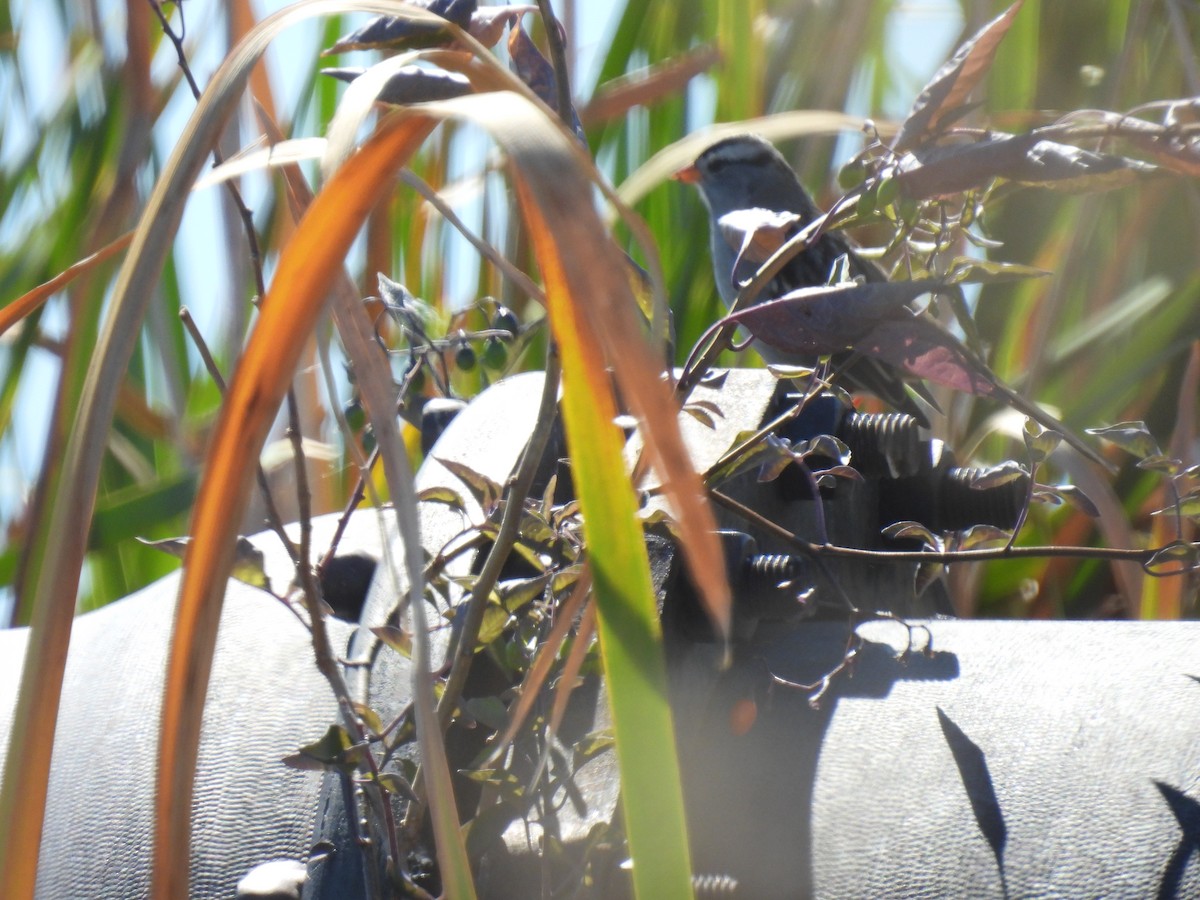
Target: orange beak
[688,174]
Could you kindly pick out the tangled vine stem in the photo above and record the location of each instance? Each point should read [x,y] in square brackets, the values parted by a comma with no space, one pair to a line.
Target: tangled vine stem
[854,642]
[818,551]
[817,689]
[274,519]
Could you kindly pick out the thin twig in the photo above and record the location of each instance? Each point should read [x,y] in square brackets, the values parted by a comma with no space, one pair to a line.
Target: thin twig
[356,497]
[185,315]
[304,510]
[943,556]
[364,466]
[218,158]
[490,253]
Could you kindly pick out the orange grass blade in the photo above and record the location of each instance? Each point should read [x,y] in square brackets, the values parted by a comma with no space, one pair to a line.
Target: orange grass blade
[307,267]
[18,309]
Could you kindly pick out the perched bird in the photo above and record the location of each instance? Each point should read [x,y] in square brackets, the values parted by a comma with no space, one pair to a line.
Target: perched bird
[745,172]
[746,183]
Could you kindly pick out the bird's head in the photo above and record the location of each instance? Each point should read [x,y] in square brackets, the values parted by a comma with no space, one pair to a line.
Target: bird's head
[746,171]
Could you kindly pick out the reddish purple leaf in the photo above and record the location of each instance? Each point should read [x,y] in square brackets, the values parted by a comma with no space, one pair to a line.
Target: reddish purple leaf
[873,320]
[922,349]
[1026,158]
[948,90]
[535,70]
[395,32]
[488,24]
[411,84]
[825,320]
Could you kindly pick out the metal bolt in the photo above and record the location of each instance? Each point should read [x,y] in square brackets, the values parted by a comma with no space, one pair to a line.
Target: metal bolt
[884,443]
[963,505]
[881,444]
[771,568]
[946,498]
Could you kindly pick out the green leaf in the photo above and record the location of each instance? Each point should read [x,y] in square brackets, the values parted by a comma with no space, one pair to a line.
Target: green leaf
[591,745]
[886,192]
[827,477]
[495,621]
[518,593]
[997,476]
[968,270]
[825,446]
[851,175]
[441,494]
[908,531]
[248,562]
[1189,505]
[1040,441]
[1073,497]
[488,711]
[927,573]
[396,638]
[565,578]
[335,750]
[485,491]
[767,452]
[509,786]
[773,467]
[1132,437]
[1158,463]
[369,717]
[978,537]
[796,373]
[397,785]
[704,411]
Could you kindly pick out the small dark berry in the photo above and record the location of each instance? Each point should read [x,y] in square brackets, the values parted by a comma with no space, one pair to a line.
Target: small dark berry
[505,320]
[465,358]
[495,354]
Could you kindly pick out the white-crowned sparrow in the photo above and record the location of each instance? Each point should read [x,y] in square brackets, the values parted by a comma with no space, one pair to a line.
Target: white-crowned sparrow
[743,179]
[744,173]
